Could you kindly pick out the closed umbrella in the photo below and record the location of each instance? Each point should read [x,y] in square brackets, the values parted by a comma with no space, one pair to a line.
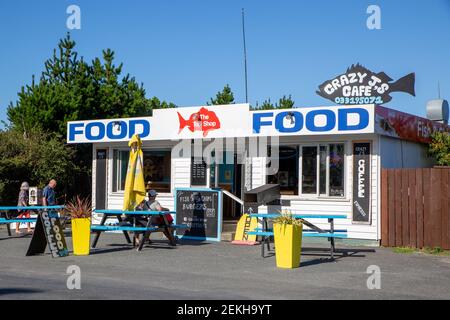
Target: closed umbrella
[134,183]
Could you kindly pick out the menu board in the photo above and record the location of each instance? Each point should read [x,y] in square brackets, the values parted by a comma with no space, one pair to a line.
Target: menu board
[201,211]
[361,182]
[198,172]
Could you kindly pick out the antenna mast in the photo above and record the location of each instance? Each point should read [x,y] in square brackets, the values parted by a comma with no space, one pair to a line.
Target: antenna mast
[439,90]
[245,56]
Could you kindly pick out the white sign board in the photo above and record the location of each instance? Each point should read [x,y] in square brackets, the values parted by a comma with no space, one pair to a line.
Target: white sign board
[226,121]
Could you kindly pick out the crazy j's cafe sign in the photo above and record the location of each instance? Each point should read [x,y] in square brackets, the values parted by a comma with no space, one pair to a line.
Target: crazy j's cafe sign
[359,85]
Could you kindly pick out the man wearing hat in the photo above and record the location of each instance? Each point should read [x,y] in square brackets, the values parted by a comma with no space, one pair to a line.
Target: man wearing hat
[153,205]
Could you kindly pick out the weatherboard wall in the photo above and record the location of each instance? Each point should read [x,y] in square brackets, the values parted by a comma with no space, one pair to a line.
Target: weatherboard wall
[324,205]
[180,178]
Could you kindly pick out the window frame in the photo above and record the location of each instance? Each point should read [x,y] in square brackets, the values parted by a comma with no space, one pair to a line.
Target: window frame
[318,195]
[115,167]
[115,176]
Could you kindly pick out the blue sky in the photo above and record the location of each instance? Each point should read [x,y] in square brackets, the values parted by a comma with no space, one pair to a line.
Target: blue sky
[185,51]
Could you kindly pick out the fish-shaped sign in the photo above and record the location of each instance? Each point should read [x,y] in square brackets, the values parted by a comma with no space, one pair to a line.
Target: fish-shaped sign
[203,120]
[361,86]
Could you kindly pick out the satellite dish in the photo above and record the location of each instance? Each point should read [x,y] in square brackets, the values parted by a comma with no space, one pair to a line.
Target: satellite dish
[438,110]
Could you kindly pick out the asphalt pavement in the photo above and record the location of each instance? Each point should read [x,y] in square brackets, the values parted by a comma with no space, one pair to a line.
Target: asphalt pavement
[196,270]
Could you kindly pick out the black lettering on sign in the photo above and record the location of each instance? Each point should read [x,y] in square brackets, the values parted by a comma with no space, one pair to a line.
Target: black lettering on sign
[201,211]
[49,231]
[361,182]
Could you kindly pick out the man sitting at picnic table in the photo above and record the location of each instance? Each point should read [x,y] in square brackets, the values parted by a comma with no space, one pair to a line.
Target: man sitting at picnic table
[153,205]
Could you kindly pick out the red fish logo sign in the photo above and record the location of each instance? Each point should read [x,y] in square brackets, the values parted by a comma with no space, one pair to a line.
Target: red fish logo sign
[203,120]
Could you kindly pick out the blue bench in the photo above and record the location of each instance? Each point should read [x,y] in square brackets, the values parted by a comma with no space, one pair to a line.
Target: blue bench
[306,233]
[314,232]
[6,218]
[8,221]
[133,229]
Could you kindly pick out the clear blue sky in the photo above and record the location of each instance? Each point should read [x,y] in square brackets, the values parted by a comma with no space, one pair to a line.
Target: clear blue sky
[185,51]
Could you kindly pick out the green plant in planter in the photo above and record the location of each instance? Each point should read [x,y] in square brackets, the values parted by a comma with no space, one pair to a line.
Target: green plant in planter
[78,208]
[286,217]
[80,211]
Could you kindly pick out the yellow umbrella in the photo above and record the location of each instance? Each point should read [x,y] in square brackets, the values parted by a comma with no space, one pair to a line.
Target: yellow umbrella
[134,183]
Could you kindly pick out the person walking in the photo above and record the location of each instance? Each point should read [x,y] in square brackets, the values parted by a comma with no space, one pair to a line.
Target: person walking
[49,195]
[23,202]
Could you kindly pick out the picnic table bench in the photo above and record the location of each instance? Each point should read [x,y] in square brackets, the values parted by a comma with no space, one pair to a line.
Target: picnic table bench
[314,232]
[144,231]
[7,218]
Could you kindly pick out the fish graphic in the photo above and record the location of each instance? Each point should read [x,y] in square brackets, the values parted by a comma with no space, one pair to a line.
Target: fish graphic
[362,86]
[204,120]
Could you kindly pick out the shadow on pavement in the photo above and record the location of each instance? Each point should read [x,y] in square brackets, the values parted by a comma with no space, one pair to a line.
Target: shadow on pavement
[26,235]
[6,291]
[122,247]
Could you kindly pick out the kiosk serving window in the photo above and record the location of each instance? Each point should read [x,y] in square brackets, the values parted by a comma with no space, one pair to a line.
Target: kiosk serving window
[157,166]
[323,170]
[320,168]
[287,175]
[120,165]
[157,169]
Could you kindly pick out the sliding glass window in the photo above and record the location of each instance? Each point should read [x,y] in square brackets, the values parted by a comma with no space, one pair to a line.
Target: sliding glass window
[323,170]
[157,169]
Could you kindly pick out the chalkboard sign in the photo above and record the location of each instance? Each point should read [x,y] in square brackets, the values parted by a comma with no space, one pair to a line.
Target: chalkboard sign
[198,172]
[49,231]
[361,182]
[201,211]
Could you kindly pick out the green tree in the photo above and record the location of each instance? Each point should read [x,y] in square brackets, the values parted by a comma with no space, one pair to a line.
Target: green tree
[36,157]
[440,148]
[266,105]
[283,103]
[70,89]
[223,97]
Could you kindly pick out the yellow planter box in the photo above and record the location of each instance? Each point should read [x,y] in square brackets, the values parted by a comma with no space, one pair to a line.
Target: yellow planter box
[288,245]
[81,236]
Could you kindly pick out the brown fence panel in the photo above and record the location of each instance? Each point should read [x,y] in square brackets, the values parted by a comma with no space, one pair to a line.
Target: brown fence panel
[384,209]
[405,208]
[391,207]
[435,210]
[445,209]
[398,207]
[415,207]
[419,207]
[412,208]
[427,227]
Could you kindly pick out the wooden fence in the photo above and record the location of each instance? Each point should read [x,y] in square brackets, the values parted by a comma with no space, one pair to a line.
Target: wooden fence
[415,207]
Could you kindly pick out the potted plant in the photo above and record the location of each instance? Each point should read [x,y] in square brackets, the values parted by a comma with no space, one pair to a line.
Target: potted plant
[288,240]
[80,212]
